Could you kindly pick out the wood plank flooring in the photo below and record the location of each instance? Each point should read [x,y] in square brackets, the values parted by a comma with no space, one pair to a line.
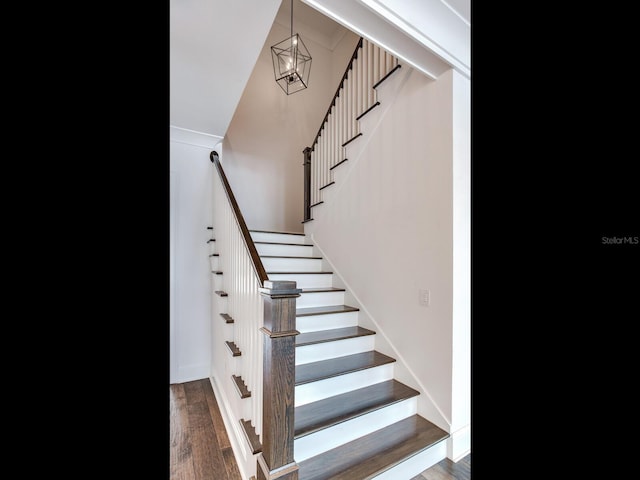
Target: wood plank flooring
[200,447]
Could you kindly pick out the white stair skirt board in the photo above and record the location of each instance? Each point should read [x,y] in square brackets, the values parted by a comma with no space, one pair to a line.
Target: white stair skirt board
[319,299]
[310,280]
[285,250]
[314,323]
[313,391]
[292,264]
[279,237]
[338,348]
[213,263]
[332,437]
[221,304]
[415,465]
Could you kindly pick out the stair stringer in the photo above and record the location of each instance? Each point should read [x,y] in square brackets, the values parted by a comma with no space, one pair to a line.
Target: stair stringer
[427,407]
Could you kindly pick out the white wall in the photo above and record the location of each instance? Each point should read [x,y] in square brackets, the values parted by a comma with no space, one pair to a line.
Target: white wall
[388,229]
[190,297]
[262,150]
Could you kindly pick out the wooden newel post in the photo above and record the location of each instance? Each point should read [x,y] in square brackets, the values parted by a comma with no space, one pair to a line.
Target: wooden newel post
[276,460]
[307,183]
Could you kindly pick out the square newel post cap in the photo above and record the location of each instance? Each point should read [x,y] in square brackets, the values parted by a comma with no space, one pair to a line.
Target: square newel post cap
[280,288]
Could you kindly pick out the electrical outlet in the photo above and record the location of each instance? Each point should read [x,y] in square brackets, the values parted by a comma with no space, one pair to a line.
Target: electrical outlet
[424,298]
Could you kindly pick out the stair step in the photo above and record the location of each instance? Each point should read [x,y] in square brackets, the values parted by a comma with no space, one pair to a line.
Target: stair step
[233,348]
[322,290]
[312,372]
[335,334]
[374,453]
[278,237]
[303,312]
[304,279]
[221,293]
[241,387]
[325,413]
[284,249]
[290,263]
[319,297]
[312,319]
[227,318]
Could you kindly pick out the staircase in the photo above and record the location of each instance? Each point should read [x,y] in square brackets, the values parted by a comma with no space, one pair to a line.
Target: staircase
[353,420]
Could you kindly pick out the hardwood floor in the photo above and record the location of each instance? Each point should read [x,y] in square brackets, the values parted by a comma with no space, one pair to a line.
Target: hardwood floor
[200,447]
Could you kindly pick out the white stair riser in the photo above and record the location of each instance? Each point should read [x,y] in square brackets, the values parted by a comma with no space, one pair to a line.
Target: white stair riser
[284,250]
[292,264]
[278,238]
[339,348]
[212,248]
[415,465]
[319,299]
[314,391]
[313,323]
[319,280]
[332,437]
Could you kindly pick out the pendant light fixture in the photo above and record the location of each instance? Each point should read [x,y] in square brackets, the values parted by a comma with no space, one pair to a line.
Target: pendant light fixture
[291,62]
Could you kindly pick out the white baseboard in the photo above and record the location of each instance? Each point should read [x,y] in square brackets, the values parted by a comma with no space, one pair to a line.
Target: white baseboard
[459,444]
[236,437]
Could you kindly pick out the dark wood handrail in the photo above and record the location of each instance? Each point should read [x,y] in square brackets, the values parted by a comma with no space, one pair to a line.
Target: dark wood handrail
[248,241]
[337,94]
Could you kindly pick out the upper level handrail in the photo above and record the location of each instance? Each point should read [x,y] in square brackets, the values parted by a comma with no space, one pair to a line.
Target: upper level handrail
[248,241]
[335,95]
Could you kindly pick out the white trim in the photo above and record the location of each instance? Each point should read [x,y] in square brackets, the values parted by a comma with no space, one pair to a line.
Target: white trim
[459,444]
[458,14]
[192,137]
[367,23]
[409,28]
[236,438]
[173,331]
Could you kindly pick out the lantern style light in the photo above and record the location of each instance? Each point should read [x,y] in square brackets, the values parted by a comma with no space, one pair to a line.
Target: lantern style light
[291,62]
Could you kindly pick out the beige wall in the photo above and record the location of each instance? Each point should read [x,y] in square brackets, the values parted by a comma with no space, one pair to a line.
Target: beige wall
[387,228]
[262,149]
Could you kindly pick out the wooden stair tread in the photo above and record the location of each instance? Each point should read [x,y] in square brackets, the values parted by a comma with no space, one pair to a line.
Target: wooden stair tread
[250,435]
[241,387]
[314,371]
[233,348]
[322,290]
[227,318]
[221,293]
[273,231]
[332,335]
[374,453]
[290,256]
[281,243]
[331,411]
[298,273]
[303,312]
